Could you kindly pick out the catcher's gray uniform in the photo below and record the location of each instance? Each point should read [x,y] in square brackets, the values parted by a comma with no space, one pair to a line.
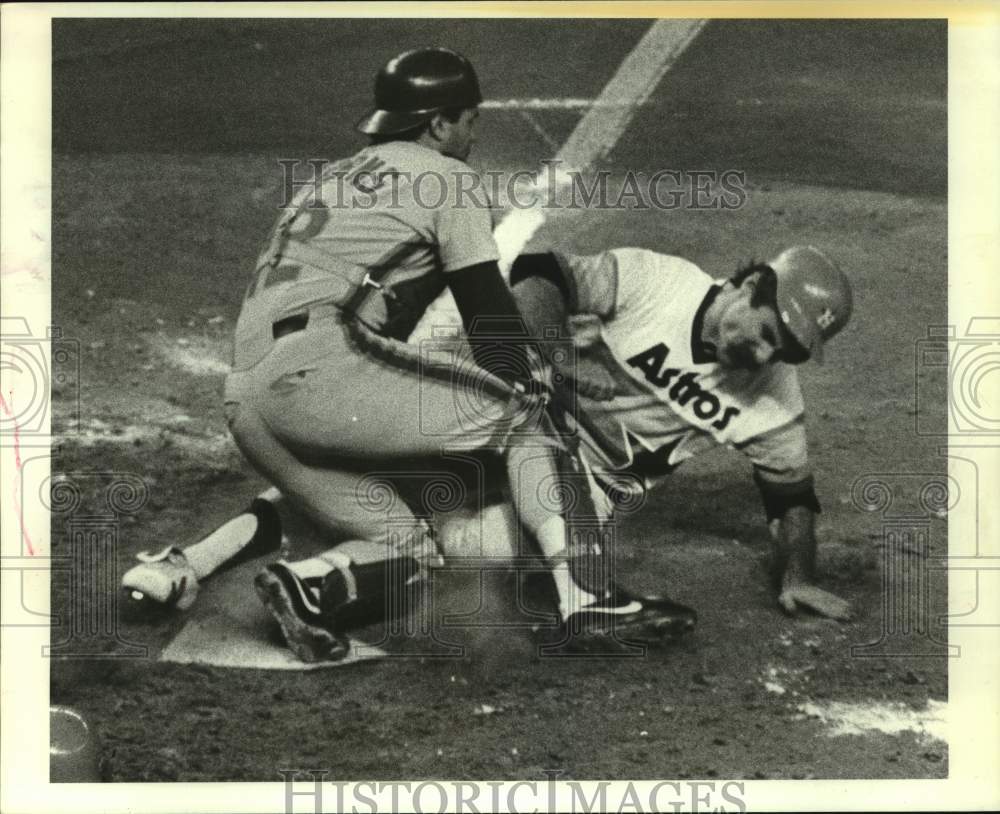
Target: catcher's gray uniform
[321,392]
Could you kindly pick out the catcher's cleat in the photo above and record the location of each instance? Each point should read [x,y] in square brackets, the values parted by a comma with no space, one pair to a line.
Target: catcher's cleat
[294,605]
[622,619]
[159,583]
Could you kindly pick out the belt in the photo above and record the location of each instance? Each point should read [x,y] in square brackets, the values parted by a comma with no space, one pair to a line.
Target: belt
[353,302]
[399,319]
[293,323]
[289,325]
[350,305]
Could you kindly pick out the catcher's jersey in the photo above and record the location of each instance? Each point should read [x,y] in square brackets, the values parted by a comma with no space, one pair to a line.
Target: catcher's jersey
[390,218]
[673,399]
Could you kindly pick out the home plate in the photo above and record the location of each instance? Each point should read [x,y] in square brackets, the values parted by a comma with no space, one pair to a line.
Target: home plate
[229,627]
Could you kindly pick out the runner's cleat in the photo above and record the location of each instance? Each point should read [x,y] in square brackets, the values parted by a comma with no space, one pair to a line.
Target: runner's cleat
[294,605]
[160,582]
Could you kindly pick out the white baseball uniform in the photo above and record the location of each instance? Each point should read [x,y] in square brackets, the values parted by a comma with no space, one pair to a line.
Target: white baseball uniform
[673,399]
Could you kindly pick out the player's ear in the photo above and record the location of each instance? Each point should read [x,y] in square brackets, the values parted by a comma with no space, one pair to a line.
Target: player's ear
[439,126]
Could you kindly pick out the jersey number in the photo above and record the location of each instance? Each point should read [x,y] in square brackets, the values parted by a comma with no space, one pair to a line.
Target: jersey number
[300,225]
[304,223]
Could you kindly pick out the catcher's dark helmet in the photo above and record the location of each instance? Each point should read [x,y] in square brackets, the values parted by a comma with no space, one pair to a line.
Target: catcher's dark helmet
[415,85]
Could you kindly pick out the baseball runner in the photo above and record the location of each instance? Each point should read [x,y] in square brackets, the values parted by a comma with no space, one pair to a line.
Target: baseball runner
[324,389]
[680,362]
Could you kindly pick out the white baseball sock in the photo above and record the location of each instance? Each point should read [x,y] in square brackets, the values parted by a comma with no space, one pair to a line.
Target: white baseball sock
[552,540]
[221,545]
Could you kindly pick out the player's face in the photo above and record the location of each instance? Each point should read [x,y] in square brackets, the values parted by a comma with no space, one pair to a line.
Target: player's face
[457,137]
[749,337]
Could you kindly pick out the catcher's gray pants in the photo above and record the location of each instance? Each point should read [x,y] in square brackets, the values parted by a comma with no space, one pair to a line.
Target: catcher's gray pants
[348,425]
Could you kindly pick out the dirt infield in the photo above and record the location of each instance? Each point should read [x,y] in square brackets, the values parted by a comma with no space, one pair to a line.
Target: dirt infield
[156,221]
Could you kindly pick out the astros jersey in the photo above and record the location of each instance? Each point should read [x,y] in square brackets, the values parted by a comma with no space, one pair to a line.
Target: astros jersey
[389,218]
[674,400]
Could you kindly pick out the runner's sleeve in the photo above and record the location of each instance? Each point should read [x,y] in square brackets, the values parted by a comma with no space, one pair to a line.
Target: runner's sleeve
[592,282]
[778,449]
[779,455]
[771,431]
[781,469]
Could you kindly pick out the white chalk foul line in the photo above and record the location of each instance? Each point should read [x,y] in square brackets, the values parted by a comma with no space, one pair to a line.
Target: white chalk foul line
[636,78]
[543,134]
[891,718]
[604,122]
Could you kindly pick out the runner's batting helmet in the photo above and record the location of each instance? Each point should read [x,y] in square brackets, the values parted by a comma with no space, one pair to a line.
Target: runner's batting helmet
[415,85]
[814,296]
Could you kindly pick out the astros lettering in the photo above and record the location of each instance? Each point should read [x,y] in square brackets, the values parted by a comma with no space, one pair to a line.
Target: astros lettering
[685,389]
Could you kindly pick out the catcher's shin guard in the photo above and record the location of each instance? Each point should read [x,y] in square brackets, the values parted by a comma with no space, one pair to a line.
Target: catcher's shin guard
[356,596]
